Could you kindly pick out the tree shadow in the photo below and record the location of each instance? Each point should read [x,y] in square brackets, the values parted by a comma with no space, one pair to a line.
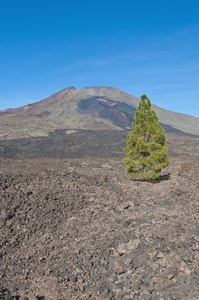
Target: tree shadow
[157,180]
[162,178]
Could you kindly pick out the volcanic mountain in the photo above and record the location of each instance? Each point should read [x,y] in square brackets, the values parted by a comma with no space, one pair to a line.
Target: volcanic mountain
[89,108]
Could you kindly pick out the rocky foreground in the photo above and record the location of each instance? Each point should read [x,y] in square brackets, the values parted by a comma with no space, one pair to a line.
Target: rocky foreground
[80,229]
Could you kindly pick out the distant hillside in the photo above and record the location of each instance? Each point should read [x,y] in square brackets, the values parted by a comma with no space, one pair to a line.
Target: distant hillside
[90,108]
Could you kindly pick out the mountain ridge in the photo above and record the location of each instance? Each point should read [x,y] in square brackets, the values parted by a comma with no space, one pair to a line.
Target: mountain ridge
[90,108]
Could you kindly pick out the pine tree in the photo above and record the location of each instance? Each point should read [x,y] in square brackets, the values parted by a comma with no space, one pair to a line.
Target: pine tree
[147,150]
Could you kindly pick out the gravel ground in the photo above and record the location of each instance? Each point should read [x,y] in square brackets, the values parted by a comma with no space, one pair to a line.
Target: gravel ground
[80,229]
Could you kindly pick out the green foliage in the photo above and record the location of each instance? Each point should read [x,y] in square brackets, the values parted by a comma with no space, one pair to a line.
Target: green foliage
[146,149]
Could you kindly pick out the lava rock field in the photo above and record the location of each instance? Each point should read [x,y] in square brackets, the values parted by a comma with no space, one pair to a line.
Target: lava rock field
[79,228]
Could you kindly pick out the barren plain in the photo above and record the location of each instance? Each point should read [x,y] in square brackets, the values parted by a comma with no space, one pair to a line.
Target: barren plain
[78,228]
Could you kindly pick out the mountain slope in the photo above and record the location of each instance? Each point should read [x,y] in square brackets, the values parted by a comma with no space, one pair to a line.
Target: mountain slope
[91,108]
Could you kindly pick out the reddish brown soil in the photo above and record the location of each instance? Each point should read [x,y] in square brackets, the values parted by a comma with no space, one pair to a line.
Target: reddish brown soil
[80,229]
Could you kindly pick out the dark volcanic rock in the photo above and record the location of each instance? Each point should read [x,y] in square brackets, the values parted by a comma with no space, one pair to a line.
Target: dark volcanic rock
[120,114]
[84,143]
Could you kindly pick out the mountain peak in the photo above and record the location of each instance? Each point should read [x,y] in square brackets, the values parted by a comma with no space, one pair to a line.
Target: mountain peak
[65,91]
[92,108]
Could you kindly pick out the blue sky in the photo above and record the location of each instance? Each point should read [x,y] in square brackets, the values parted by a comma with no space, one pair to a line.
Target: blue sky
[139,46]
